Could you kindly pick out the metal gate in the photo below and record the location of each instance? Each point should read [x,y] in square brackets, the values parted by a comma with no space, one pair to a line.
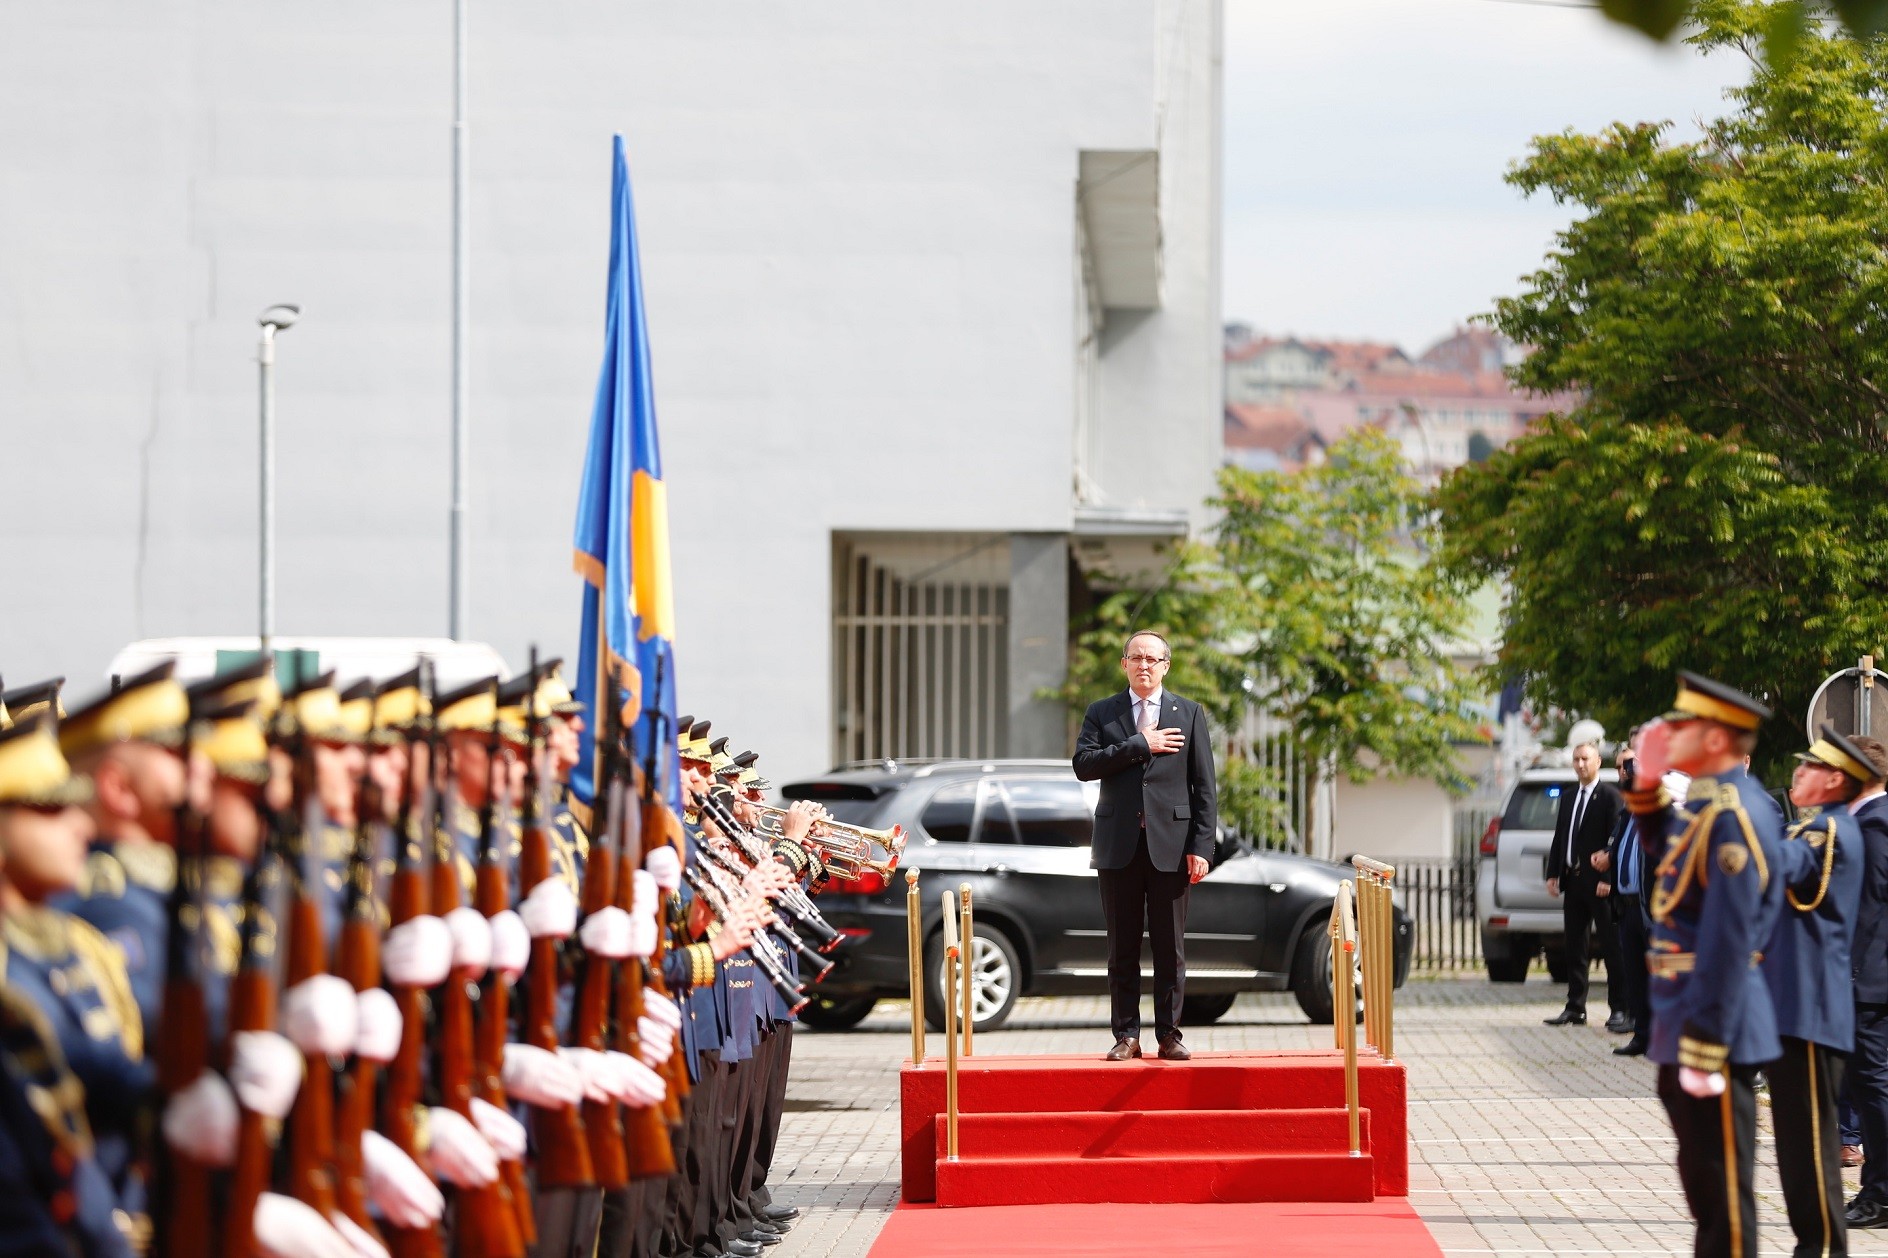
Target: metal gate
[920,647]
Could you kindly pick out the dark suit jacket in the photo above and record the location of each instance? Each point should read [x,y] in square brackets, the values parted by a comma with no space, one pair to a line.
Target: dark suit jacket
[1175,792]
[1596,827]
[1868,946]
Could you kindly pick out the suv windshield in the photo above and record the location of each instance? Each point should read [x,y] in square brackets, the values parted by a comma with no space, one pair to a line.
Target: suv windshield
[1534,805]
[855,805]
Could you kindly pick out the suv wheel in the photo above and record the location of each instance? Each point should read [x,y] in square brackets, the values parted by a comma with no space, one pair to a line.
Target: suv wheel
[1205,1010]
[1311,976]
[995,973]
[1507,957]
[825,1013]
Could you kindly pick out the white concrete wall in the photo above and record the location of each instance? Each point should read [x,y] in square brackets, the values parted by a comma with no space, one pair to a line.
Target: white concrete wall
[856,224]
[1392,817]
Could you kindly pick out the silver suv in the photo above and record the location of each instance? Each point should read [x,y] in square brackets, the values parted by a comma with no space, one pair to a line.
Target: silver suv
[1518,918]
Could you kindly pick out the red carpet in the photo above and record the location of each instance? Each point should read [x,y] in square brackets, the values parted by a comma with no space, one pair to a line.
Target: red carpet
[1224,1127]
[1386,1228]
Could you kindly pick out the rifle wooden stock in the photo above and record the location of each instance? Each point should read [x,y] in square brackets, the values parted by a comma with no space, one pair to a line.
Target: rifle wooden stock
[602,1120]
[646,1128]
[252,1008]
[186,1214]
[406,1074]
[562,1148]
[358,961]
[487,1224]
[494,1026]
[311,1124]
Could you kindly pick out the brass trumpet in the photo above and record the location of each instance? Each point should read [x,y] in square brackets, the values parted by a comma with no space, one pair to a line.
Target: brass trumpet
[847,850]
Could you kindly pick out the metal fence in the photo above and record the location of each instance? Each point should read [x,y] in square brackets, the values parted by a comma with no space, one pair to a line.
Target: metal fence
[1439,896]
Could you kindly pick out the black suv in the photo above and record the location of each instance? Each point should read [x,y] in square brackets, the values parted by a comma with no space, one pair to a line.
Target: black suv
[1018,832]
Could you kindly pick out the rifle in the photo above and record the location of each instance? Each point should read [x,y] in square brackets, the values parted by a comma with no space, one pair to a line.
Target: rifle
[563,1154]
[311,1123]
[493,896]
[602,1120]
[357,959]
[408,899]
[651,1153]
[487,1222]
[183,1203]
[252,1008]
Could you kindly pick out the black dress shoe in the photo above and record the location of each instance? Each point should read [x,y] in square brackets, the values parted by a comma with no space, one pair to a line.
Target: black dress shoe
[1631,1048]
[779,1215]
[761,1237]
[1619,1024]
[1171,1049]
[1566,1017]
[1124,1049]
[738,1248]
[1864,1212]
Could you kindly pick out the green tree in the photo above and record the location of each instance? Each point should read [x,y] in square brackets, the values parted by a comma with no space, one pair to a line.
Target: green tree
[1314,600]
[1783,29]
[1718,501]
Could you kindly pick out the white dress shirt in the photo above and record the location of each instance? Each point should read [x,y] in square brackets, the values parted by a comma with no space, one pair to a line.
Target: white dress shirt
[1155,699]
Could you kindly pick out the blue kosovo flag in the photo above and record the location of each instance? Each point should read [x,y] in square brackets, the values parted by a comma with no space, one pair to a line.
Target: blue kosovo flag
[622,543]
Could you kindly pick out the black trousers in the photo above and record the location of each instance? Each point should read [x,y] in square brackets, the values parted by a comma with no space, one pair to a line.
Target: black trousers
[1868,1086]
[1717,1147]
[567,1221]
[773,1107]
[1580,912]
[1134,899]
[1804,1086]
[1628,981]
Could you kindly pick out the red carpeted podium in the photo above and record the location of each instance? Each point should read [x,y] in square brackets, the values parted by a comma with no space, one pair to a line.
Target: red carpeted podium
[1250,1127]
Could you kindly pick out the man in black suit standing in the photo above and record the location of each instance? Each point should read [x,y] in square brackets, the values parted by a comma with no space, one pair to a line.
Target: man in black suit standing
[1584,824]
[1153,756]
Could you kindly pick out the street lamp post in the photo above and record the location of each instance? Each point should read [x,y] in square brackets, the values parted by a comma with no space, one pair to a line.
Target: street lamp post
[273,320]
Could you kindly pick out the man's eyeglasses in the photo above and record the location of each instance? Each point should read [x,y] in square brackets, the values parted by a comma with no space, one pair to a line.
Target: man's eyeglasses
[1145,659]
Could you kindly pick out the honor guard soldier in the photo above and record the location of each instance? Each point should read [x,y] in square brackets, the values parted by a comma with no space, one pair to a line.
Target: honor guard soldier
[1715,901]
[23,703]
[65,966]
[1807,968]
[54,1198]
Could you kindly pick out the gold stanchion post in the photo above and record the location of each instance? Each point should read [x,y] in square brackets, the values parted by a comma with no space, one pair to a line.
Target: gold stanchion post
[950,1050]
[914,942]
[969,938]
[1376,924]
[1343,952]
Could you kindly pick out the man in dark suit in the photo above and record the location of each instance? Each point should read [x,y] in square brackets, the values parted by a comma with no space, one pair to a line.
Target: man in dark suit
[1584,824]
[1868,963]
[1626,862]
[1153,756]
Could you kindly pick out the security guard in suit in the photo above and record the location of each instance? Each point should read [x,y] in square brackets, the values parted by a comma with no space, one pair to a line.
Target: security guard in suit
[1715,904]
[1806,967]
[66,968]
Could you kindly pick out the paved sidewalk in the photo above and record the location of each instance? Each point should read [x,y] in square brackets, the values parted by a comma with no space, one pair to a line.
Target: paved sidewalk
[1525,1139]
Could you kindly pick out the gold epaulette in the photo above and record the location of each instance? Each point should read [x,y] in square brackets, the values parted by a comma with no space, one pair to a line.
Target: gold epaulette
[1645,803]
[104,877]
[1702,1055]
[149,865]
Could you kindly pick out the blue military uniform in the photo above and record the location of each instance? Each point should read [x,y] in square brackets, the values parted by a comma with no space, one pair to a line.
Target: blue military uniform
[1716,897]
[1808,971]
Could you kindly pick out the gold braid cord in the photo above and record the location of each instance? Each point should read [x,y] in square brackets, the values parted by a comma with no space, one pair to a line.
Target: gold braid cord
[1828,866]
[1683,856]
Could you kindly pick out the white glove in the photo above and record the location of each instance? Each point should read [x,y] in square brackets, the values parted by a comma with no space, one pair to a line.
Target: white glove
[403,1193]
[550,911]
[417,953]
[460,1155]
[662,1009]
[511,944]
[647,895]
[364,1245]
[642,934]
[200,1121]
[541,1078]
[594,1070]
[377,1014]
[320,1016]
[606,933]
[285,1228]
[471,941]
[503,1132]
[1700,1083]
[266,1071]
[639,1085]
[665,866]
[657,1040]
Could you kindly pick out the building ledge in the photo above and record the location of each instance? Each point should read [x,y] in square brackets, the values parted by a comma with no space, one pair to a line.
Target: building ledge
[1158,522]
[1119,193]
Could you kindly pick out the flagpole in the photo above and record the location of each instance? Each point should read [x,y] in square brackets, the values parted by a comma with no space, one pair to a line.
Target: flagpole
[461,279]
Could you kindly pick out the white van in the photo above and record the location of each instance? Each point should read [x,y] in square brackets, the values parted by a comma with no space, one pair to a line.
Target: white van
[454,663]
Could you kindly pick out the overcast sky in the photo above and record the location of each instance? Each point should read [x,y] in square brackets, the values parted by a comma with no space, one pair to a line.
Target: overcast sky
[1366,142]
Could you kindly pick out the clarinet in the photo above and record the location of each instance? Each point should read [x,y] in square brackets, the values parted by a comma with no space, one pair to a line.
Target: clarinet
[794,900]
[766,959]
